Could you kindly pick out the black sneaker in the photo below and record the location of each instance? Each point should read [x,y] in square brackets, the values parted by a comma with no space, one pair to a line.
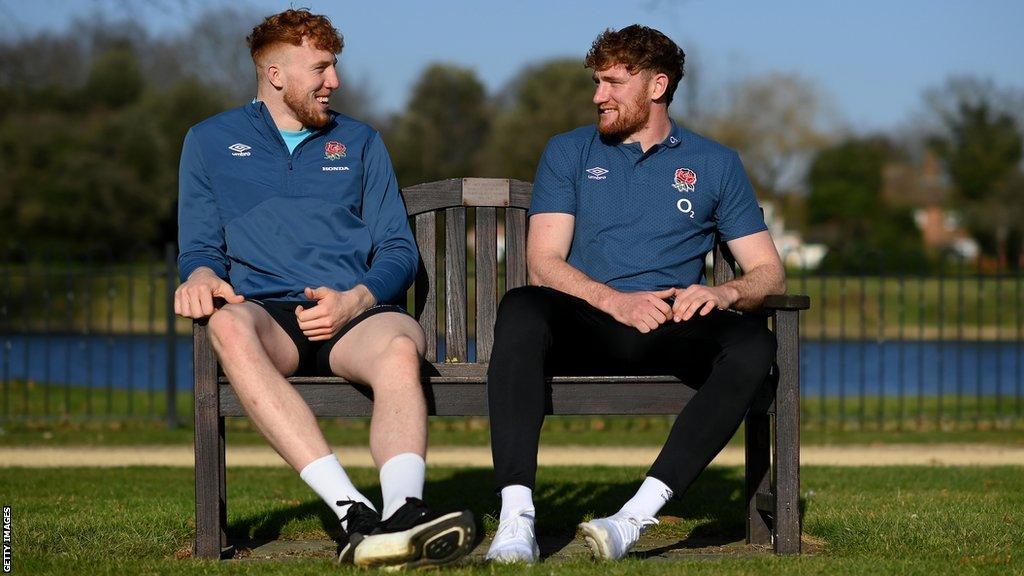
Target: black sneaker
[415,536]
[362,520]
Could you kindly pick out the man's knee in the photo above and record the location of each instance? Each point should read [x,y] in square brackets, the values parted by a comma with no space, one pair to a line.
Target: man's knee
[753,352]
[524,311]
[400,353]
[230,323]
[402,348]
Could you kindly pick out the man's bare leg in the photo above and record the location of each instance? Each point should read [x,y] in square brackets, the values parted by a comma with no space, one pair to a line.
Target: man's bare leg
[255,353]
[384,353]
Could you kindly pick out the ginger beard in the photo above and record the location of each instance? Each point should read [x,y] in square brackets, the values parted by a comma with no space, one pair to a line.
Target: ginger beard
[306,107]
[630,118]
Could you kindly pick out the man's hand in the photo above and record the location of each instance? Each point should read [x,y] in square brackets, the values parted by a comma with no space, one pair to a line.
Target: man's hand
[332,311]
[194,298]
[701,299]
[644,311]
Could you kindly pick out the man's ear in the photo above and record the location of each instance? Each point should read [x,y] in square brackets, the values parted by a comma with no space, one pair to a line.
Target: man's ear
[658,85]
[275,75]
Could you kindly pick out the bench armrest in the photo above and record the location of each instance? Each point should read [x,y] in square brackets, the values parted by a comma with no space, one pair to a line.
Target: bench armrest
[786,302]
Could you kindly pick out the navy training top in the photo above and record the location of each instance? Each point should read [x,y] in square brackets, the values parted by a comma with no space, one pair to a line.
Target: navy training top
[645,221]
[272,222]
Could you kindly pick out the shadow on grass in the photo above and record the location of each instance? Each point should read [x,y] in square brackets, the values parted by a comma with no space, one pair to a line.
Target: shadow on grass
[711,513]
[259,529]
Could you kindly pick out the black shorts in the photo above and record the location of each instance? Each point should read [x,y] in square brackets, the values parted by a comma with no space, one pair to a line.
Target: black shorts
[314,357]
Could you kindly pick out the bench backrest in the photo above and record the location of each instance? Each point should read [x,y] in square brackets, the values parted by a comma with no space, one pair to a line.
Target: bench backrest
[450,205]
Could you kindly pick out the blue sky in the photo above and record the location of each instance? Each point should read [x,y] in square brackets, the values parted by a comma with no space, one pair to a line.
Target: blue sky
[872,58]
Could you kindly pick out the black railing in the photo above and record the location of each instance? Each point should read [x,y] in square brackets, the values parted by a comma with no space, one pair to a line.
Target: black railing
[91,340]
[926,351]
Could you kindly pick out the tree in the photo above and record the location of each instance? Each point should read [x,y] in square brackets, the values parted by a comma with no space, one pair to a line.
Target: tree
[979,140]
[213,50]
[89,162]
[442,130]
[777,123]
[542,101]
[846,211]
[115,79]
[997,220]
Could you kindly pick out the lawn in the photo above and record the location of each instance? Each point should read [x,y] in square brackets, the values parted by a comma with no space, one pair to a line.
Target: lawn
[856,521]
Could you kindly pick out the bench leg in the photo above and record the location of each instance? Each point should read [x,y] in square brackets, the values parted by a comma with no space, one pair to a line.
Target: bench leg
[787,435]
[223,500]
[758,479]
[209,451]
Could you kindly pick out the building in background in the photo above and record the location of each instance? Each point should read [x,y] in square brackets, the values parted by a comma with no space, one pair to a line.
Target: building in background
[794,251]
[925,189]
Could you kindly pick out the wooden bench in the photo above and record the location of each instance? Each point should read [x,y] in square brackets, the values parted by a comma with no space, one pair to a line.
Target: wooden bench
[456,387]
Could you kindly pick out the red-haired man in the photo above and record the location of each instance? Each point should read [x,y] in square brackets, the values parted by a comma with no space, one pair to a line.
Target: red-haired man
[291,213]
[622,216]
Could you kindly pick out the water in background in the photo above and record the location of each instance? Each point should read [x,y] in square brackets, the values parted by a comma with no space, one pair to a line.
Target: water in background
[828,368]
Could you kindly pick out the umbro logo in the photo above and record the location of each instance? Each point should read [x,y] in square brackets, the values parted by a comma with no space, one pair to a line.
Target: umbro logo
[239,149]
[597,173]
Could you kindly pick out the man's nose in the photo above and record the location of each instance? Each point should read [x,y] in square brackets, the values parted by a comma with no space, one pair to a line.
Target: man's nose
[600,94]
[332,82]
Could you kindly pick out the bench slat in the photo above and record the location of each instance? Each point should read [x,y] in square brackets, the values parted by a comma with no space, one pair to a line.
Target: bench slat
[479,374]
[569,396]
[496,192]
[486,281]
[722,263]
[432,196]
[515,248]
[455,283]
[426,295]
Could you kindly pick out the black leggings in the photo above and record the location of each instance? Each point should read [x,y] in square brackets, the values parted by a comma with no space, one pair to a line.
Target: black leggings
[543,331]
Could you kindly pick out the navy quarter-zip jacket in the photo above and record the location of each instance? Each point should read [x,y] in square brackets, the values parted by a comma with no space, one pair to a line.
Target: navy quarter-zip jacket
[272,222]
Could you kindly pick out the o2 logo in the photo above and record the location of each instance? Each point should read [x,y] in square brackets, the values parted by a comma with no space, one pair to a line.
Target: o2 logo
[685,206]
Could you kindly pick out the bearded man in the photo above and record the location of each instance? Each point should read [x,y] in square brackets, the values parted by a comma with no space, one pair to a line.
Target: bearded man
[622,217]
[291,214]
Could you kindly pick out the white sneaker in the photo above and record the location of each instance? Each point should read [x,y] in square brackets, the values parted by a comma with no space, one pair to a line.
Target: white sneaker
[515,540]
[611,538]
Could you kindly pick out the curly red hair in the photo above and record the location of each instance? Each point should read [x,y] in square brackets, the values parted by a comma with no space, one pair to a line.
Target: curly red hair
[639,49]
[291,27]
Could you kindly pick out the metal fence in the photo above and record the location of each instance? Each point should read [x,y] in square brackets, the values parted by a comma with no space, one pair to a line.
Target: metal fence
[936,351]
[92,340]
[926,352]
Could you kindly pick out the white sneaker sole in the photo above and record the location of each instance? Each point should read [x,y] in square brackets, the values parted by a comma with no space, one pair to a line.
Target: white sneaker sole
[596,538]
[508,558]
[438,542]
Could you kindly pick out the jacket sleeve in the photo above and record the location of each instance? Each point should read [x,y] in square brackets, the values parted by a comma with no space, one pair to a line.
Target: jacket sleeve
[200,234]
[394,257]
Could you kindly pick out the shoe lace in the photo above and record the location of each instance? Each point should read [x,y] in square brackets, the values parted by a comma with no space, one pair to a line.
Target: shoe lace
[352,510]
[637,523]
[516,520]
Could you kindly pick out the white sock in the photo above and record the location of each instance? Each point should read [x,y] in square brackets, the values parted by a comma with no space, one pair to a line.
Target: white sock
[401,477]
[328,479]
[648,500]
[514,499]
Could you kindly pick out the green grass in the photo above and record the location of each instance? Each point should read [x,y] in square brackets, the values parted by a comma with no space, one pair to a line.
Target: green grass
[859,521]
